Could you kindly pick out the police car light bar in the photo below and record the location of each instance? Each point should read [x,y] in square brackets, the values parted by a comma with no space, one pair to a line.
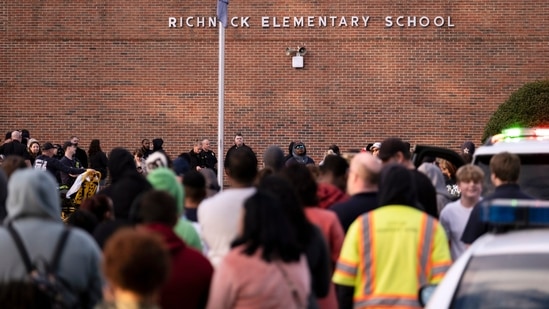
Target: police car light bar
[517,213]
[520,134]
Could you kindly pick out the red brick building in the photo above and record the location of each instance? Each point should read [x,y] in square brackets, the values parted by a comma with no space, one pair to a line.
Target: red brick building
[121,71]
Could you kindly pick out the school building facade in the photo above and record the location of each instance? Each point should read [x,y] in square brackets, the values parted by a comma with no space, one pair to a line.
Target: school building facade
[431,72]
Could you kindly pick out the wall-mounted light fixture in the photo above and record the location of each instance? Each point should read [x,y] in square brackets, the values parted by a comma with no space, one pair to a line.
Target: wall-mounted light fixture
[298,53]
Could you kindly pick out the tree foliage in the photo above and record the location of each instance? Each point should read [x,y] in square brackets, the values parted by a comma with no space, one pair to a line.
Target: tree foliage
[526,107]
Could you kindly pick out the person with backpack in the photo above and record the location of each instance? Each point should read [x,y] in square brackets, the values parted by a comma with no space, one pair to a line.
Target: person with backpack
[34,240]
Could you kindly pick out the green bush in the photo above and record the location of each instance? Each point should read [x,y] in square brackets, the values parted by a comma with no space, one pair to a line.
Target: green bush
[526,107]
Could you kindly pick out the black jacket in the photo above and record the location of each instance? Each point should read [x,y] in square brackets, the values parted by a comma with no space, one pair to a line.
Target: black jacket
[99,162]
[55,167]
[355,206]
[126,183]
[231,151]
[194,160]
[15,148]
[475,227]
[82,156]
[208,159]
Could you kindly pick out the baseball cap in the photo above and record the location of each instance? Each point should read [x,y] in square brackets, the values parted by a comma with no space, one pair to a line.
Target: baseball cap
[391,146]
[468,147]
[47,146]
[376,145]
[180,166]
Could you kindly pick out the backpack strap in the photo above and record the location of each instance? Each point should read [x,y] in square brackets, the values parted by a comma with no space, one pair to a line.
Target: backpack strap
[20,247]
[59,249]
[25,256]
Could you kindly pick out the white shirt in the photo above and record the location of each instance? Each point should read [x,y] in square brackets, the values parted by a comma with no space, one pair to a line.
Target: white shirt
[219,218]
[453,218]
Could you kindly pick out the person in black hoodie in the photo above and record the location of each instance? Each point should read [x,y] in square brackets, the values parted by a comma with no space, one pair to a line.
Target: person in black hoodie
[126,185]
[157,145]
[299,155]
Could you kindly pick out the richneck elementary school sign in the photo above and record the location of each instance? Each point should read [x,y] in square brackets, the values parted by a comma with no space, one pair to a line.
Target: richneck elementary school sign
[314,21]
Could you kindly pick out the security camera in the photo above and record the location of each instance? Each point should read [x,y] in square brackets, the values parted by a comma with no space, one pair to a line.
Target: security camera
[290,51]
[302,50]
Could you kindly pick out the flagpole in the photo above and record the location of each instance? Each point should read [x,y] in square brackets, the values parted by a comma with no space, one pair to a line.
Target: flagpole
[221,104]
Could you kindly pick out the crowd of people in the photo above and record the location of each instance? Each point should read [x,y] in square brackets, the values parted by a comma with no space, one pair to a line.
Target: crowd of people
[361,232]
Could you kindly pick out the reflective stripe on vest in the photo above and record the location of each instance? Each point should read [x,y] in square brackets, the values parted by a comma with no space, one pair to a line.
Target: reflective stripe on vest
[440,269]
[425,248]
[346,269]
[367,251]
[387,301]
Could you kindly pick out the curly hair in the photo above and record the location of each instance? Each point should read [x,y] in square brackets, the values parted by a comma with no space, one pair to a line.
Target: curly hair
[136,260]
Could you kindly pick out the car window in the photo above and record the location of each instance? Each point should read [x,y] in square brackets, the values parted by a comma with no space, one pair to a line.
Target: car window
[504,281]
[534,174]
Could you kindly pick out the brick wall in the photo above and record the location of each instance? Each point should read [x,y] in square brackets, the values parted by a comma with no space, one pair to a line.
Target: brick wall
[115,71]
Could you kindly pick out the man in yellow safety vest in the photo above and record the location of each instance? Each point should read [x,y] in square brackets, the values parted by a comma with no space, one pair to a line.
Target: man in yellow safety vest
[390,252]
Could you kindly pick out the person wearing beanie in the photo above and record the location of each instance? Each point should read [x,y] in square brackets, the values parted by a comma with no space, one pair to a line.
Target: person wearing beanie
[180,166]
[164,179]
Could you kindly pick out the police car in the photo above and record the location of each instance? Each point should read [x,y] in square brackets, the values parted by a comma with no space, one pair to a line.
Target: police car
[532,147]
[505,269]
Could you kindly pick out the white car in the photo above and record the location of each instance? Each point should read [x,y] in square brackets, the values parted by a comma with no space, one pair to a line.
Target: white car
[500,270]
[532,147]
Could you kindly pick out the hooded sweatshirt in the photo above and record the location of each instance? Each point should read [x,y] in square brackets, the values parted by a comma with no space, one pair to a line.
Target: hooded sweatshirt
[126,184]
[397,187]
[157,144]
[34,210]
[434,174]
[190,276]
[302,158]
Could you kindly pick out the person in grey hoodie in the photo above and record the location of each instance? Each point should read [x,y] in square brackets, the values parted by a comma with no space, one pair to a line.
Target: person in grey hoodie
[34,211]
[434,174]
